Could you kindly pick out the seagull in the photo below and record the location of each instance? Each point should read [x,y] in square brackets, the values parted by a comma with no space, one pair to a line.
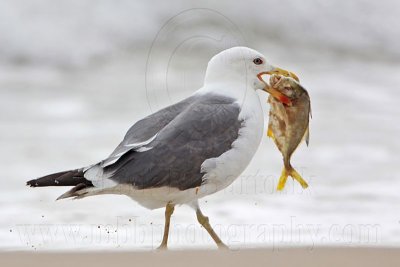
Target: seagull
[185,151]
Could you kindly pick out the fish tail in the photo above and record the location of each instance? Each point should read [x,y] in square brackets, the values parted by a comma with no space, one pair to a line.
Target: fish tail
[282,180]
[296,176]
[290,171]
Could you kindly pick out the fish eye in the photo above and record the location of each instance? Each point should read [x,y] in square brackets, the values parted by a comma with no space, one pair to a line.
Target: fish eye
[258,61]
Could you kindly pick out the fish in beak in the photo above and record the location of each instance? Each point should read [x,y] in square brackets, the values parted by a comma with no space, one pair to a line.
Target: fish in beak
[289,125]
[272,91]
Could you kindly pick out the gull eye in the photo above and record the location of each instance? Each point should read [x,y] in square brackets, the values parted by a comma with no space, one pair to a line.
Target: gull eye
[258,61]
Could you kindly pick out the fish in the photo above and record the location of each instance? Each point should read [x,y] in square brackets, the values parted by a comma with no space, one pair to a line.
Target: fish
[289,118]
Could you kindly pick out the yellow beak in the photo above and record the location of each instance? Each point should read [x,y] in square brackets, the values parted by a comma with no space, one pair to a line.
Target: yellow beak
[275,93]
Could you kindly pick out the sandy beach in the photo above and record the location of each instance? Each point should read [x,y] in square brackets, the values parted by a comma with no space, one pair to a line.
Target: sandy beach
[255,257]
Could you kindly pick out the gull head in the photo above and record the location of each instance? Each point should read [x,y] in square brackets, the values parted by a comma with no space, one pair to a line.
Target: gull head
[241,66]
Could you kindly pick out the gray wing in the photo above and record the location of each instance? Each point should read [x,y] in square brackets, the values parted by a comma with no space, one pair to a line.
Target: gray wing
[145,130]
[204,129]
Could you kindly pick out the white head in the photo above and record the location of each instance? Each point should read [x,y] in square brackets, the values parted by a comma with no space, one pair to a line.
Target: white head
[238,64]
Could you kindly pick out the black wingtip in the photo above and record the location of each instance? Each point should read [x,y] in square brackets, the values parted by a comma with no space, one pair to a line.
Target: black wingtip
[32,183]
[65,178]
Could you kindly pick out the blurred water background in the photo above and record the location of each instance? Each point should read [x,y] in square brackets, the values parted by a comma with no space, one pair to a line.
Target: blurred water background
[75,75]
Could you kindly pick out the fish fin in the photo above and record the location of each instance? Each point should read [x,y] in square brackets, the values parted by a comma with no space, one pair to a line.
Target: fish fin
[309,104]
[270,133]
[279,96]
[307,136]
[294,174]
[282,180]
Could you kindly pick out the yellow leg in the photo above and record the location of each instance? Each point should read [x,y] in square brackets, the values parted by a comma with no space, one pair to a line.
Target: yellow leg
[169,209]
[203,220]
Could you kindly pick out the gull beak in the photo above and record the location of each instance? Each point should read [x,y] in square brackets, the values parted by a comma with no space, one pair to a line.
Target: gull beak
[272,91]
